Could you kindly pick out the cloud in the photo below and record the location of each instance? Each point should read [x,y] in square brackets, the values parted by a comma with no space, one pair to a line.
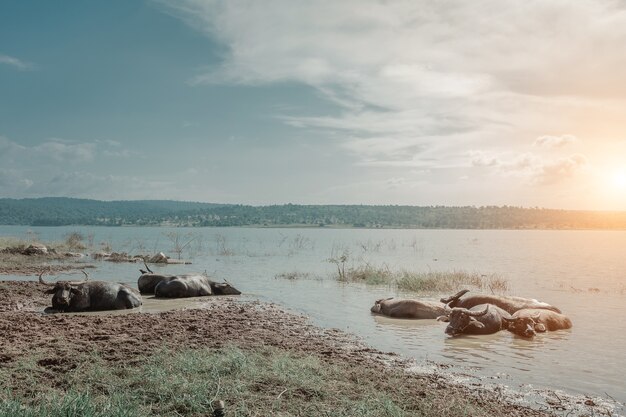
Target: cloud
[554,172]
[67,151]
[12,180]
[410,75]
[14,62]
[531,168]
[548,141]
[55,151]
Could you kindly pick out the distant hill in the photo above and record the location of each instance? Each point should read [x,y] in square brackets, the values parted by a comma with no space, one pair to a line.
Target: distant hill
[58,211]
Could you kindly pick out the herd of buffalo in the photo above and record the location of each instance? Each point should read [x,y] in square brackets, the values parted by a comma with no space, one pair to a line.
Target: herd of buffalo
[473,314]
[480,314]
[77,296]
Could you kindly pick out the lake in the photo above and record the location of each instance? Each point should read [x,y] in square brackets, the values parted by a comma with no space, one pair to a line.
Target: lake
[581,272]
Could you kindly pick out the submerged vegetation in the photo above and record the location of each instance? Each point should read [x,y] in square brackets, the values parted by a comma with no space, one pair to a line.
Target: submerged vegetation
[431,281]
[405,280]
[258,382]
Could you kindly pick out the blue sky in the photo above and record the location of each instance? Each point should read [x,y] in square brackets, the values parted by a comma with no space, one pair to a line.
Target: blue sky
[409,102]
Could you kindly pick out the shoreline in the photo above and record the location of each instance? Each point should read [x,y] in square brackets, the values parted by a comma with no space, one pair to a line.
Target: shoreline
[220,322]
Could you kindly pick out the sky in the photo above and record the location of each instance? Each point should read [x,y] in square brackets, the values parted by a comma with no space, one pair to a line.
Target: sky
[418,102]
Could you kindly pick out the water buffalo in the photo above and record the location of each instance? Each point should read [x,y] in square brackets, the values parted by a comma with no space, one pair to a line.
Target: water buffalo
[192,286]
[74,296]
[408,309]
[509,304]
[530,321]
[480,319]
[195,284]
[149,280]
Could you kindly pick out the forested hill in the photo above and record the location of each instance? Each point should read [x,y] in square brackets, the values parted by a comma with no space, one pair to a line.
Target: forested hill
[55,211]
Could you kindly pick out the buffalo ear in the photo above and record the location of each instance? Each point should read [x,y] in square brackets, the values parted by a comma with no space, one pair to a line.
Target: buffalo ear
[143,272]
[476,323]
[74,290]
[539,327]
[443,318]
[51,291]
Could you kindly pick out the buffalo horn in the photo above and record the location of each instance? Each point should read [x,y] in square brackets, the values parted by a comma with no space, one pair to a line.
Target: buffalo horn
[478,313]
[147,267]
[454,297]
[41,281]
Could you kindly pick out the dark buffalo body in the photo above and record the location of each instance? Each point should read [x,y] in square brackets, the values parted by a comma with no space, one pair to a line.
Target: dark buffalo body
[508,304]
[480,319]
[93,296]
[408,309]
[186,285]
[528,322]
[148,281]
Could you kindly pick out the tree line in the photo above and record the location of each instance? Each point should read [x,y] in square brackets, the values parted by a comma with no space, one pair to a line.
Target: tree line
[59,211]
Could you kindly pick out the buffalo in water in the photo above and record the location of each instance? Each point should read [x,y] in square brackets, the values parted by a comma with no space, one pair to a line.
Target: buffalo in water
[530,321]
[75,296]
[179,286]
[480,319]
[508,304]
[408,309]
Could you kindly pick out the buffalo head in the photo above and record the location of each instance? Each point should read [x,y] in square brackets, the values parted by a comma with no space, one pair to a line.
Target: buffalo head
[224,288]
[460,319]
[63,291]
[525,326]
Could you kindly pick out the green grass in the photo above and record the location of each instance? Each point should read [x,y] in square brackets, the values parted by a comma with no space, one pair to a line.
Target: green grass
[252,383]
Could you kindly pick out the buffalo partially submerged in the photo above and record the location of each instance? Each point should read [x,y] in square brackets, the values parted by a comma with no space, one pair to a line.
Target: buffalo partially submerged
[530,321]
[480,319]
[408,309]
[509,304]
[75,296]
[178,286]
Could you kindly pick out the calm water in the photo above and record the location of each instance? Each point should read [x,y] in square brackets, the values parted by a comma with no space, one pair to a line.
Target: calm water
[582,272]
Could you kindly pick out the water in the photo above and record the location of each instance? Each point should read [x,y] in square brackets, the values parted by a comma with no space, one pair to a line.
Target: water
[581,272]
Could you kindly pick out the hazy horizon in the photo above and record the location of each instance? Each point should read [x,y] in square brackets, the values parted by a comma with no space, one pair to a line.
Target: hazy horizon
[236,102]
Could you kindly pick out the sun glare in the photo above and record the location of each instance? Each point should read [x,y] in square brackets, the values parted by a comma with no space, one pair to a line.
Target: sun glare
[619,179]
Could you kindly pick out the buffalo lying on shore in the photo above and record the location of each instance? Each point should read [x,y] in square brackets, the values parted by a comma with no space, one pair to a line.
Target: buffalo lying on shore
[76,296]
[179,286]
[408,309]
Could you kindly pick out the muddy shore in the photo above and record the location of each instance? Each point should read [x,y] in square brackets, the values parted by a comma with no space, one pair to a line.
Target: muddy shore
[58,341]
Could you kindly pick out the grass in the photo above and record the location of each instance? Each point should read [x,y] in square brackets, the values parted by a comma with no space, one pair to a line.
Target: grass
[252,383]
[431,281]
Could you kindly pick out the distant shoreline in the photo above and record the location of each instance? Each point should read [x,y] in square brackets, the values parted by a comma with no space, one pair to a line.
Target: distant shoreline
[334,227]
[53,211]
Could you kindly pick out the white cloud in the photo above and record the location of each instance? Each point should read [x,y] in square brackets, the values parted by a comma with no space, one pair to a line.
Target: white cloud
[55,151]
[530,168]
[411,74]
[14,62]
[547,141]
[67,151]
